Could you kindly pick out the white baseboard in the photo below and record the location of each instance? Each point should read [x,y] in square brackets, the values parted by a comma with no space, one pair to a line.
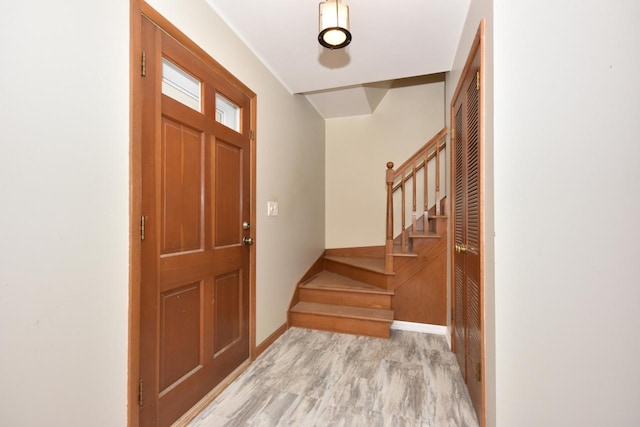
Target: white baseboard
[425,328]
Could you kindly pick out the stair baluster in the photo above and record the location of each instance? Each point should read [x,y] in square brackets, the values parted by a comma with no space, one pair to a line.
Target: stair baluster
[414,212]
[426,187]
[408,171]
[403,235]
[437,179]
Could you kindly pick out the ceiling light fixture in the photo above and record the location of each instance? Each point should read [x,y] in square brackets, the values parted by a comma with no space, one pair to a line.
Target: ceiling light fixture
[334,24]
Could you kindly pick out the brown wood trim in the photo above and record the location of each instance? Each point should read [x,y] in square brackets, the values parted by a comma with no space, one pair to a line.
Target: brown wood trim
[420,152]
[364,252]
[420,166]
[474,46]
[481,36]
[271,339]
[135,209]
[315,268]
[190,45]
[209,397]
[346,312]
[346,325]
[253,221]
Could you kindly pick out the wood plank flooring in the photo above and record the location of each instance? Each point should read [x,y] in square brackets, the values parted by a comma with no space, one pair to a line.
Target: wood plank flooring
[316,378]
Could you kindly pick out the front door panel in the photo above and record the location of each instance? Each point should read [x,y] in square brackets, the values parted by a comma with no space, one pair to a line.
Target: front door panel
[195,197]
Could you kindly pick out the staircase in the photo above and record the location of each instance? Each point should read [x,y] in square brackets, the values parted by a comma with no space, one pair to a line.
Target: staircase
[333,302]
[362,290]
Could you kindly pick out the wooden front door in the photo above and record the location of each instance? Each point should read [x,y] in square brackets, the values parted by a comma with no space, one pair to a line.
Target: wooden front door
[196,169]
[468,337]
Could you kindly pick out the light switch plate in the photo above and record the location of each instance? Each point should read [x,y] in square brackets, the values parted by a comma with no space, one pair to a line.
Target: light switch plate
[272,208]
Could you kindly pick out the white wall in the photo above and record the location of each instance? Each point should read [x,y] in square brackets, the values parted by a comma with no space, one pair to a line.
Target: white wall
[64,104]
[64,147]
[567,287]
[357,150]
[290,165]
[478,10]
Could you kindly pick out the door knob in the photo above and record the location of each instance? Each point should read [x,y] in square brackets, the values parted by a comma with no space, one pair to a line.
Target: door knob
[461,248]
[247,241]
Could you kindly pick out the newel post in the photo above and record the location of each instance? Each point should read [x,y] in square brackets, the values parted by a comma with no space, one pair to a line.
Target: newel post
[388,260]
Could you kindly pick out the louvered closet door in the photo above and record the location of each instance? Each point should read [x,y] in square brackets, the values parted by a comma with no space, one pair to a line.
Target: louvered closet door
[472,253]
[460,297]
[467,294]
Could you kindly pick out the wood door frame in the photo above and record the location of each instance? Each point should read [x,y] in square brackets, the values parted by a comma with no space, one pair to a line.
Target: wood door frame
[138,9]
[478,46]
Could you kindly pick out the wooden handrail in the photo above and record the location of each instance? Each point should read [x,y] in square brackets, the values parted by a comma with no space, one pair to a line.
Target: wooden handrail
[406,172]
[419,166]
[421,151]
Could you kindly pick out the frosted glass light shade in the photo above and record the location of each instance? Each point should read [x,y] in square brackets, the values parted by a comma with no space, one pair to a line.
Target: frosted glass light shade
[334,24]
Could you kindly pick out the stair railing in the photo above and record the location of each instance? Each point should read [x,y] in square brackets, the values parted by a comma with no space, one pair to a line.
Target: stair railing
[397,181]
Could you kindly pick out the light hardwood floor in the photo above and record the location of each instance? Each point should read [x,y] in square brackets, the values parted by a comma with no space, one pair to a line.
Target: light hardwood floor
[315,378]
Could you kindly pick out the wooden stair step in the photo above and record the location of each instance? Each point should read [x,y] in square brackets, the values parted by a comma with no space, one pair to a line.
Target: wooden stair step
[352,320]
[397,252]
[428,235]
[335,289]
[375,265]
[332,281]
[373,314]
[369,270]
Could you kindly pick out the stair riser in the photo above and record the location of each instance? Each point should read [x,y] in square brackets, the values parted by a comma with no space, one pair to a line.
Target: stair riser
[350,299]
[438,226]
[355,273]
[424,246]
[341,324]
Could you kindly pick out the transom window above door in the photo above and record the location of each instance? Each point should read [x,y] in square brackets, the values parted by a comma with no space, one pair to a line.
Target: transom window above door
[227,113]
[187,89]
[181,86]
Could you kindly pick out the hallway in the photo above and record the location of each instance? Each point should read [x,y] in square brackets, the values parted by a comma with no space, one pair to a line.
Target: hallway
[315,378]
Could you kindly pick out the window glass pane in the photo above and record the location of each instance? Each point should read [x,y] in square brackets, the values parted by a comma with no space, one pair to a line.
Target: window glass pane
[227,113]
[180,86]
